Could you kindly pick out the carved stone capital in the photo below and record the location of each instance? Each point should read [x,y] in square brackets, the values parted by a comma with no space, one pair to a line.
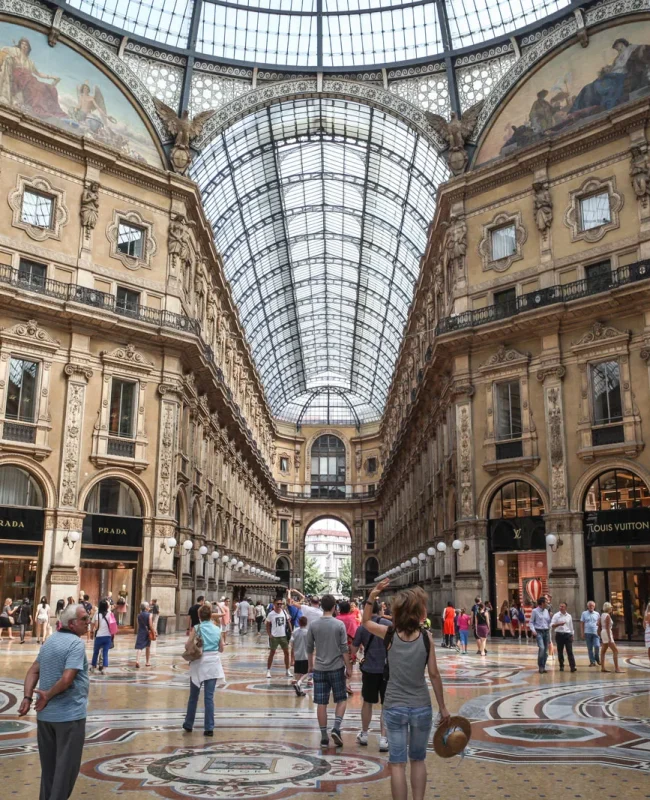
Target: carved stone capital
[74,369]
[551,371]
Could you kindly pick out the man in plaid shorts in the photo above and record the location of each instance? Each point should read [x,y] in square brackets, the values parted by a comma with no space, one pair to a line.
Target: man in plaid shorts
[331,664]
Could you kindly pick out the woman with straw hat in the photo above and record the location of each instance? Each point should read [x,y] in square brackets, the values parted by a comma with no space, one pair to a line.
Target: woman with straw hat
[407,703]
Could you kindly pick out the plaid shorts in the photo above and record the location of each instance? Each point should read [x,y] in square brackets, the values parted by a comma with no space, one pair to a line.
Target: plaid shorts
[326,681]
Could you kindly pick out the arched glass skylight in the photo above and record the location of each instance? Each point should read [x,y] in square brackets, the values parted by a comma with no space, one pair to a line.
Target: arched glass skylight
[318,33]
[320,208]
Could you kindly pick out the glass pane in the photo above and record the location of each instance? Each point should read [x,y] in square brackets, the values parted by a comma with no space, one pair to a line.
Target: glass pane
[32,273]
[509,501]
[18,488]
[608,492]
[130,240]
[495,506]
[21,390]
[595,211]
[37,209]
[626,489]
[508,421]
[504,243]
[606,392]
[122,408]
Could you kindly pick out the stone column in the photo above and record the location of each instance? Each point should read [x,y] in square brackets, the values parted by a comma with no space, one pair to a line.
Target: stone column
[564,580]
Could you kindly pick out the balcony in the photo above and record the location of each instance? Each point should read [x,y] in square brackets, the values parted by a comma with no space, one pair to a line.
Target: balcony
[124,448]
[325,492]
[551,295]
[19,432]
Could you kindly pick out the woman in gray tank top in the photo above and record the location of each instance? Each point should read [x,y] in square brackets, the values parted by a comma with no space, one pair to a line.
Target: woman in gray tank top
[407,706]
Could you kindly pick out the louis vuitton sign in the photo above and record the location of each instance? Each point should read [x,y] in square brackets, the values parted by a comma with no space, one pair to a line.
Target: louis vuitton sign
[111,531]
[625,526]
[519,533]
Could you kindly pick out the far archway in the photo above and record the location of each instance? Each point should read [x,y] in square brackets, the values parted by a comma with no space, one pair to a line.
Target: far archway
[328,559]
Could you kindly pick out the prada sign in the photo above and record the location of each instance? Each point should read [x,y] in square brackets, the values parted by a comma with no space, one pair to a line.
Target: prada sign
[521,533]
[22,524]
[111,531]
[625,526]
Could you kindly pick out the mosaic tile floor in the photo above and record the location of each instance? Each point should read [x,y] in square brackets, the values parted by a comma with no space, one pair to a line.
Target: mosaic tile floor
[569,734]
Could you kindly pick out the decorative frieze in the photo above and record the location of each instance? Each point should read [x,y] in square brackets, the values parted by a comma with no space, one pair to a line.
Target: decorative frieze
[465,466]
[78,376]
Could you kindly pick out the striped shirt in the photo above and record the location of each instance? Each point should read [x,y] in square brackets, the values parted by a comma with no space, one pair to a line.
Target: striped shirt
[64,650]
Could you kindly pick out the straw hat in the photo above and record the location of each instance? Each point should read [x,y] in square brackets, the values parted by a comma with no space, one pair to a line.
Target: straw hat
[451,739]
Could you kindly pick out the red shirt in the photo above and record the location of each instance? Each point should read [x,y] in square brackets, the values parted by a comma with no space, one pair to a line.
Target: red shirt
[350,622]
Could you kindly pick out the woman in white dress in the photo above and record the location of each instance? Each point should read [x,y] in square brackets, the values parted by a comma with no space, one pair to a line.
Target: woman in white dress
[606,633]
[42,620]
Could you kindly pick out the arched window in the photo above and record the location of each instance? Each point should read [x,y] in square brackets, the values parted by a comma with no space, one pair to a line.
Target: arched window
[372,570]
[516,499]
[283,570]
[328,467]
[112,496]
[615,490]
[18,488]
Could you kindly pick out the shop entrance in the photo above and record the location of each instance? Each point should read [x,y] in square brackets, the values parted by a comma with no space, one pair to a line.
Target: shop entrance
[517,545]
[111,547]
[617,548]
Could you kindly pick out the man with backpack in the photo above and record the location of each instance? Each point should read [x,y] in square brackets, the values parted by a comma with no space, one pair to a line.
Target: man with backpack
[373,677]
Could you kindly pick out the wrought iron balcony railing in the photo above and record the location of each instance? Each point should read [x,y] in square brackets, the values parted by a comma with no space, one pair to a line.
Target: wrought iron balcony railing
[545,297]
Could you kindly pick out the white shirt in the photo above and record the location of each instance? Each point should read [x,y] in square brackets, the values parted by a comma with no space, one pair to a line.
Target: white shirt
[243,608]
[565,622]
[278,623]
[311,613]
[103,629]
[42,614]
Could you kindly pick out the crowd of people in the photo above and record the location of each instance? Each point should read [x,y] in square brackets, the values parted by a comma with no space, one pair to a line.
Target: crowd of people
[321,640]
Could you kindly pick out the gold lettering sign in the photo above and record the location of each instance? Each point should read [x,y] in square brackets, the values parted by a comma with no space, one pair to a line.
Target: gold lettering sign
[113,531]
[11,523]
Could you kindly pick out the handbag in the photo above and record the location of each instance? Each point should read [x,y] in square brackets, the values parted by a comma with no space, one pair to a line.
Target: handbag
[112,624]
[194,647]
[152,635]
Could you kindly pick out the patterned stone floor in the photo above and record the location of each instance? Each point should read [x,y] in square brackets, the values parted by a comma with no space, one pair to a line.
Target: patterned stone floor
[562,734]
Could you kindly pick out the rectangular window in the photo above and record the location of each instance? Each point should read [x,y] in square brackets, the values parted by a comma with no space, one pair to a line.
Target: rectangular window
[372,465]
[122,410]
[508,412]
[21,391]
[504,242]
[371,534]
[598,276]
[127,301]
[31,273]
[595,211]
[130,239]
[505,303]
[284,532]
[284,464]
[284,488]
[371,489]
[37,209]
[606,392]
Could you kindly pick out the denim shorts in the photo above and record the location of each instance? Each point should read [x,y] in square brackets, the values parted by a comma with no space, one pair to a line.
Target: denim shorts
[408,729]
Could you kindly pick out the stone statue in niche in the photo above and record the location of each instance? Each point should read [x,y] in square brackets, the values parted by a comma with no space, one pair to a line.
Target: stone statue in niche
[640,173]
[543,206]
[89,211]
[455,133]
[455,246]
[184,129]
[178,245]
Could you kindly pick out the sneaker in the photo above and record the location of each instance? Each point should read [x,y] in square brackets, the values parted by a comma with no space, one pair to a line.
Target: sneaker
[268,673]
[325,741]
[383,744]
[298,690]
[362,738]
[336,737]
[289,674]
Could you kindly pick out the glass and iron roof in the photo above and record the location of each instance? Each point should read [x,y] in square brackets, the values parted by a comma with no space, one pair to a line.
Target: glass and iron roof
[318,33]
[320,209]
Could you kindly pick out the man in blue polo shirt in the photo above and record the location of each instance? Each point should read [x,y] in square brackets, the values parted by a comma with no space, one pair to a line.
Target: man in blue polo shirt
[61,670]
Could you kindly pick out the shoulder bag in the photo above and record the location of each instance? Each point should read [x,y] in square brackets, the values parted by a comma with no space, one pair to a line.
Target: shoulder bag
[194,647]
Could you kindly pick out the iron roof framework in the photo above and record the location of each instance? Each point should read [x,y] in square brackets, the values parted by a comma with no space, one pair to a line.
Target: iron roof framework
[320,209]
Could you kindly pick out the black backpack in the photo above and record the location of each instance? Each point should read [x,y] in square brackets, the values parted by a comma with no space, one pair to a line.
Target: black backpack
[388,641]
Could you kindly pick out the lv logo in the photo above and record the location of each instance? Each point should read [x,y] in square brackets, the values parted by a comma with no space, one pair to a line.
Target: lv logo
[517,532]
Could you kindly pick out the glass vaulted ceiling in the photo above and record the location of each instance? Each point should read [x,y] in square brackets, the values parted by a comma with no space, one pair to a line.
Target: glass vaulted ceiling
[318,33]
[320,208]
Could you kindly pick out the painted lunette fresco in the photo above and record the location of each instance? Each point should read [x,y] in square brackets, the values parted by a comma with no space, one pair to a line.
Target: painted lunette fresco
[59,86]
[576,85]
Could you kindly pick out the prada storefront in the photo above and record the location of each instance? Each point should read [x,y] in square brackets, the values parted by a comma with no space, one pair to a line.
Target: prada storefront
[21,533]
[111,545]
[617,548]
[517,546]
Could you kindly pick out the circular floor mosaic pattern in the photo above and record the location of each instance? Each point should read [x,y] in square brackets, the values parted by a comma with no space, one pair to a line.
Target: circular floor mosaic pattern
[236,770]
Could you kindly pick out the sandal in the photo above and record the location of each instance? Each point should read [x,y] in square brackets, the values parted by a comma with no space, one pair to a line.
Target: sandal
[137,666]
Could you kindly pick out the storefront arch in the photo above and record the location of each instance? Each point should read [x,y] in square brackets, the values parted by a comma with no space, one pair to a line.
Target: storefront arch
[486,496]
[588,477]
[615,505]
[124,476]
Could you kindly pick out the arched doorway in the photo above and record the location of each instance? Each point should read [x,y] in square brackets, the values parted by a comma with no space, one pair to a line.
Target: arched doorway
[616,509]
[328,468]
[517,546]
[371,570]
[21,532]
[111,544]
[328,559]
